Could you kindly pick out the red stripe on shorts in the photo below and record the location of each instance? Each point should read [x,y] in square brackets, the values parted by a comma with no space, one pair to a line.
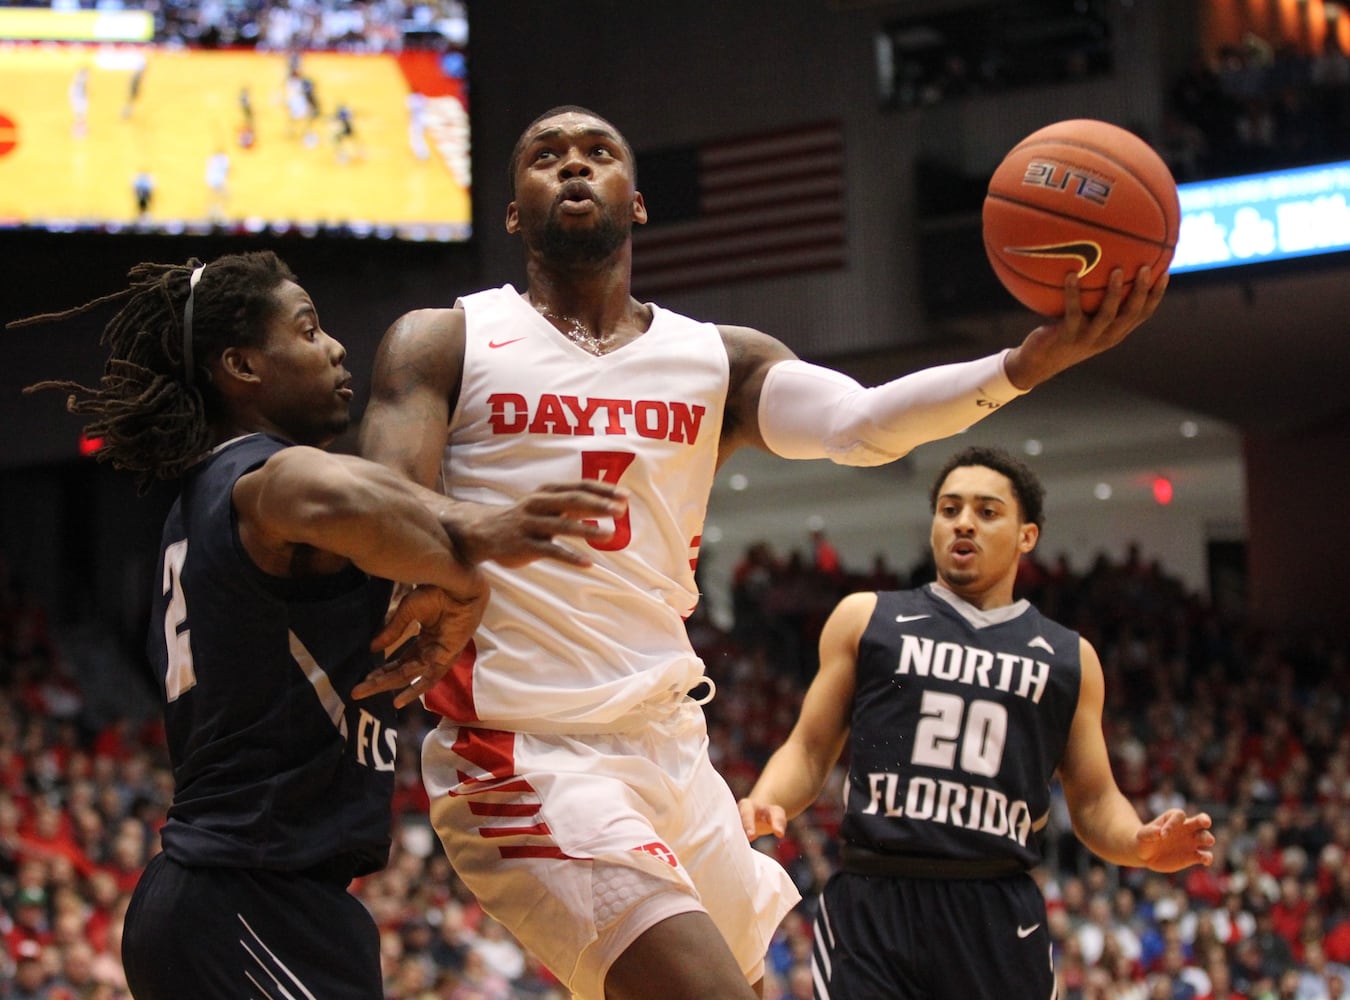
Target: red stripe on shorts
[480,808]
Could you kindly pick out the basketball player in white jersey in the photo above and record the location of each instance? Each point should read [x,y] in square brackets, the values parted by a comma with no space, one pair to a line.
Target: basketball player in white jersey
[569,776]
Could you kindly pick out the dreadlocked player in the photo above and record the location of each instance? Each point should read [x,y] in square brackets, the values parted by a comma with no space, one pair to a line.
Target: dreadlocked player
[270,603]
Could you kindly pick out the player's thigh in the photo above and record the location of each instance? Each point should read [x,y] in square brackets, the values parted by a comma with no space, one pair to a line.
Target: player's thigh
[686,955]
[221,934]
[556,845]
[746,892]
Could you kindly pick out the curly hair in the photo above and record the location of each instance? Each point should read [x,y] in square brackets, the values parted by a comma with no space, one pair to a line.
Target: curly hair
[1026,486]
[154,417]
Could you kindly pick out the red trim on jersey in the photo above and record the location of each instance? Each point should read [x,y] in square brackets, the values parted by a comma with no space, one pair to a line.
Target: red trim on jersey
[452,695]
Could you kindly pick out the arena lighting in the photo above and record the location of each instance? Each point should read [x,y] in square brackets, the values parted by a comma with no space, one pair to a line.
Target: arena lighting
[1162,490]
[1269,216]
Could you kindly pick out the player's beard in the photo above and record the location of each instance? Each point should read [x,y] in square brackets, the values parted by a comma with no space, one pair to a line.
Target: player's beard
[567,247]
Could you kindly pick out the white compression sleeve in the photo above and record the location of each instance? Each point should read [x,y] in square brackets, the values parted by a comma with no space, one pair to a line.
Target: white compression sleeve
[806,411]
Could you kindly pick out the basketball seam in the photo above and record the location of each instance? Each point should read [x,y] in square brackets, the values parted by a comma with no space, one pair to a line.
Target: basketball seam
[1162,245]
[1143,186]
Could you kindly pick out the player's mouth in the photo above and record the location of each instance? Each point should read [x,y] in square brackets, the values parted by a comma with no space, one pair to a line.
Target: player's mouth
[345,390]
[963,549]
[576,196]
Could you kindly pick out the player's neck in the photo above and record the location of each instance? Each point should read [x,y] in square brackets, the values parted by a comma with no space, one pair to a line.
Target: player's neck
[598,306]
[985,599]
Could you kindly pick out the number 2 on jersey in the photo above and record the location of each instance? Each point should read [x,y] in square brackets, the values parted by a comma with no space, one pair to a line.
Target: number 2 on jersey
[609,467]
[180,676]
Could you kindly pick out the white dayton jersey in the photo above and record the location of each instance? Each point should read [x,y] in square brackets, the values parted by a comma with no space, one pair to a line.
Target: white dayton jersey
[563,648]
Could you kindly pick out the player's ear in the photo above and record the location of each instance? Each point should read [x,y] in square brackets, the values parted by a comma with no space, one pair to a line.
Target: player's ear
[512,218]
[639,208]
[1029,535]
[236,366]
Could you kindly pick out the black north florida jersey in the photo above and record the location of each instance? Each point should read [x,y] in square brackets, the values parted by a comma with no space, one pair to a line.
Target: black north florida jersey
[275,766]
[956,730]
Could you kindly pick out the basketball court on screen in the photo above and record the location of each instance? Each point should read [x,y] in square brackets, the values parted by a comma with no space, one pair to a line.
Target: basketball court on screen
[187,109]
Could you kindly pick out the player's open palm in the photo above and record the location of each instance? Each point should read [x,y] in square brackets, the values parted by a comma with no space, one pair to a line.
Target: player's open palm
[1174,841]
[436,625]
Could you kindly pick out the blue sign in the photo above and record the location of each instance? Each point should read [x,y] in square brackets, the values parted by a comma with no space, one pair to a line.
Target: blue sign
[1261,217]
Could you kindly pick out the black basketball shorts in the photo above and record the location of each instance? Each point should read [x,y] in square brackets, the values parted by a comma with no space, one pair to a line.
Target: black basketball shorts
[895,938]
[230,933]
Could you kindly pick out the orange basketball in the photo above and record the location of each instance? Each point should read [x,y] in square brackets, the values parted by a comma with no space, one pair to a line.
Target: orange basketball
[1078,195]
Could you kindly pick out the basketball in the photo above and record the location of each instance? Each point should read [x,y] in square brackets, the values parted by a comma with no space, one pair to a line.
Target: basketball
[1079,195]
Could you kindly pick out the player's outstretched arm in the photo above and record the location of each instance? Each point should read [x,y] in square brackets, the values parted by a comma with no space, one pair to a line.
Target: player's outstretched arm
[1054,347]
[800,410]
[417,372]
[304,499]
[1103,818]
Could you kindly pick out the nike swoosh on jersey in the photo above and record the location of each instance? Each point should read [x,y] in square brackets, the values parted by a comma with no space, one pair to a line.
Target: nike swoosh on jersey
[1040,641]
[1023,932]
[911,618]
[494,344]
[1087,253]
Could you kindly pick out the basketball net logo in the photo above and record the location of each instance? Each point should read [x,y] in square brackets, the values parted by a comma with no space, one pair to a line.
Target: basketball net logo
[1087,253]
[660,851]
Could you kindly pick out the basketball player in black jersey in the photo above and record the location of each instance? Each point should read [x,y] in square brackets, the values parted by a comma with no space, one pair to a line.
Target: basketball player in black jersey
[958,706]
[269,612]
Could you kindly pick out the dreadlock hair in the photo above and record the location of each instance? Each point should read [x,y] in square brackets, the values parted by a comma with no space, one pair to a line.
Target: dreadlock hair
[155,418]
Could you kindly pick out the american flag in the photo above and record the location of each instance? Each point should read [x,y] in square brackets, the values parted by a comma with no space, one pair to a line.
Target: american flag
[749,207]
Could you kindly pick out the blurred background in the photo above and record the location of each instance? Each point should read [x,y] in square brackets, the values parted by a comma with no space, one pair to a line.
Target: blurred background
[814,169]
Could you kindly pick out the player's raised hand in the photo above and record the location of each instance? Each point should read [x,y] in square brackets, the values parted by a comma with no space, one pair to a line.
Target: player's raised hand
[1174,841]
[1077,335]
[530,528]
[436,625]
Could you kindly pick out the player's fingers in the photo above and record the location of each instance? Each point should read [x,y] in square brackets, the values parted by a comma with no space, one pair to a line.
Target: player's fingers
[418,688]
[747,810]
[388,677]
[1073,301]
[549,549]
[401,624]
[1115,294]
[575,506]
[591,494]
